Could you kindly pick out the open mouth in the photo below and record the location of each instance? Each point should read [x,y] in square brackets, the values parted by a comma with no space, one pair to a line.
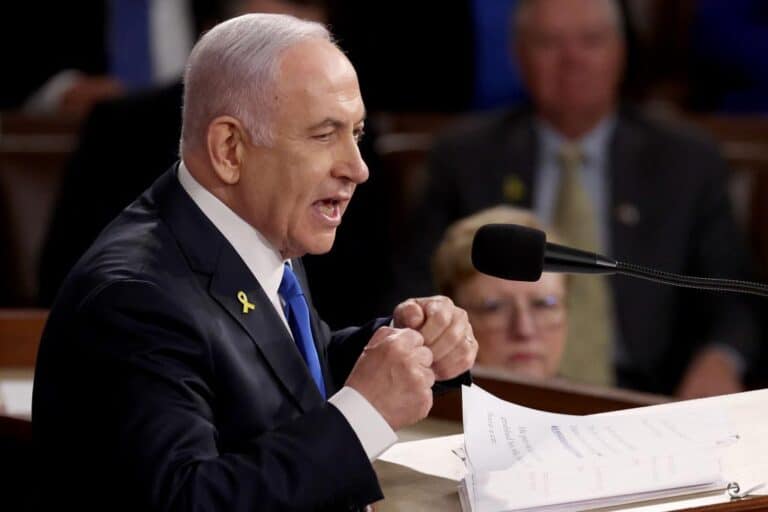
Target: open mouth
[330,209]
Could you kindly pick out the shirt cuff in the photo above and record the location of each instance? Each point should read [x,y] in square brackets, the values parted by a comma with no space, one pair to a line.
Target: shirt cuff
[372,430]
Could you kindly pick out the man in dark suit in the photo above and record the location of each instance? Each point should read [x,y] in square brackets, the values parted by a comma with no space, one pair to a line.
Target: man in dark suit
[657,195]
[183,367]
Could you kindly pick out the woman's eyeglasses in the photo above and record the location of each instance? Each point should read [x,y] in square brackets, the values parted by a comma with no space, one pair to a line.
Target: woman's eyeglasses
[546,311]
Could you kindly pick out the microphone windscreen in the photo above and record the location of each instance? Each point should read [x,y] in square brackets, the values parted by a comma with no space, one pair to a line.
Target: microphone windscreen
[509,251]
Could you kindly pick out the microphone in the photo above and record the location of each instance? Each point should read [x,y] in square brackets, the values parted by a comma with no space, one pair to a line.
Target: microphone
[519,253]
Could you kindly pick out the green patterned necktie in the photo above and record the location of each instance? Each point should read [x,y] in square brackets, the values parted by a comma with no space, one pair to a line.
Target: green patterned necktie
[587,352]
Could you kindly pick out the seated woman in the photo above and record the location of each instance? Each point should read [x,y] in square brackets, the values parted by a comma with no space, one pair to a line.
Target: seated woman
[519,326]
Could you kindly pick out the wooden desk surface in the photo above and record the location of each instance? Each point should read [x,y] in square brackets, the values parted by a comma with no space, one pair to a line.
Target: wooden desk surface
[16,373]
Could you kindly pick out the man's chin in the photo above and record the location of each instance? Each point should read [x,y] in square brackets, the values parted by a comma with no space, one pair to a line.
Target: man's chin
[322,244]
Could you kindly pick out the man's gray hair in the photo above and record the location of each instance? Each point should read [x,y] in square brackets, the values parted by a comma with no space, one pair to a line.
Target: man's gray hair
[522,11]
[232,71]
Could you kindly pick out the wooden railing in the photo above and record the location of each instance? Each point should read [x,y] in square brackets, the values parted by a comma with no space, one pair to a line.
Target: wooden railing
[33,152]
[20,331]
[556,395]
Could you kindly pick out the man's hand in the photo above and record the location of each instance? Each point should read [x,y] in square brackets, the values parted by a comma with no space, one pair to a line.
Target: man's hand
[446,331]
[86,91]
[710,373]
[393,373]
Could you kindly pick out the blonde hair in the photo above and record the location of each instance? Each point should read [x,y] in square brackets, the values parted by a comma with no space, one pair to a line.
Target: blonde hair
[452,260]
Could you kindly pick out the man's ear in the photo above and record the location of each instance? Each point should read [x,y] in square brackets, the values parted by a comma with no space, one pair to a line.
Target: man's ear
[226,140]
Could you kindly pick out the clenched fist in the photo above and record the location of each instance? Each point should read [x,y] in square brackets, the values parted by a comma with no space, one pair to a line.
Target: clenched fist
[446,331]
[394,374]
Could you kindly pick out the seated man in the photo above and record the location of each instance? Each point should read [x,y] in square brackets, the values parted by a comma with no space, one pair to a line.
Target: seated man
[183,367]
[606,178]
[519,326]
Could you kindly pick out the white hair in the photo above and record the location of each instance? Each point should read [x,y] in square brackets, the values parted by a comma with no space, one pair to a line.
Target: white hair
[522,11]
[232,71]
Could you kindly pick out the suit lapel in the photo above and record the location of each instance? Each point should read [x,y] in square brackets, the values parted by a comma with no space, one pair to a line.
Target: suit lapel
[628,178]
[264,326]
[209,252]
[519,163]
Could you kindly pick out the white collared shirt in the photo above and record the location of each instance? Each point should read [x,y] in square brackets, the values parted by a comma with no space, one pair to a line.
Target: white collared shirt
[266,265]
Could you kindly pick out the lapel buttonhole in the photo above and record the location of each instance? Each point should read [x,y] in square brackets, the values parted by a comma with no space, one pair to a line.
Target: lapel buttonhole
[628,214]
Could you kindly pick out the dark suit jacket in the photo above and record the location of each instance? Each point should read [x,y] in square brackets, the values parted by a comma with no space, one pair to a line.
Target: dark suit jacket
[676,184]
[154,391]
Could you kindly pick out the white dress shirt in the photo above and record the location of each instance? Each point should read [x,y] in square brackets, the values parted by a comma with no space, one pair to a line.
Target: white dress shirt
[266,265]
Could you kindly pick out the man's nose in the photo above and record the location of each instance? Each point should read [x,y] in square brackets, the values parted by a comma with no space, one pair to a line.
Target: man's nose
[351,164]
[573,52]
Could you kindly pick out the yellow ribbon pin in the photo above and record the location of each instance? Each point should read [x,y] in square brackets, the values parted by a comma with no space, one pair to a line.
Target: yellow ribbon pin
[513,188]
[243,298]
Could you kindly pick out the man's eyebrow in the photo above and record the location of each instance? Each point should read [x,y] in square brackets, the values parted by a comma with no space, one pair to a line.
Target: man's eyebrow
[330,122]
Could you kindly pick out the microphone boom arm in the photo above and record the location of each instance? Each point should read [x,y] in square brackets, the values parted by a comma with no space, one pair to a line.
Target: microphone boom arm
[699,283]
[559,258]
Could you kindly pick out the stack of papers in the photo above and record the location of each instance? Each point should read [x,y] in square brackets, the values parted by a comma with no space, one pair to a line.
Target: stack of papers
[523,459]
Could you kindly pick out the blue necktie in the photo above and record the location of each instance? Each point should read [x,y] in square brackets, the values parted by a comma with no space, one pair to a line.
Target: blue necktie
[130,58]
[297,314]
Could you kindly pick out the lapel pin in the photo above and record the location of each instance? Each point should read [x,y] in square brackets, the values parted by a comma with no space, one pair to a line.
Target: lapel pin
[513,188]
[243,298]
[628,214]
